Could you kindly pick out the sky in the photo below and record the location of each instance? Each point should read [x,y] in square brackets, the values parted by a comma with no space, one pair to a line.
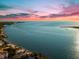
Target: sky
[44,7]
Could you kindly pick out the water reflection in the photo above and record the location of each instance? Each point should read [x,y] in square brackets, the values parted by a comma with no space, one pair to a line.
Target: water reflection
[55,42]
[76,46]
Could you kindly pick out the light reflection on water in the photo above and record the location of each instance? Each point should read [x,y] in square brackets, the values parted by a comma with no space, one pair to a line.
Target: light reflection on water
[75,48]
[55,42]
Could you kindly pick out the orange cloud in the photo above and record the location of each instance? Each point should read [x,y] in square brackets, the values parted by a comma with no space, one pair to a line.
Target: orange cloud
[74,18]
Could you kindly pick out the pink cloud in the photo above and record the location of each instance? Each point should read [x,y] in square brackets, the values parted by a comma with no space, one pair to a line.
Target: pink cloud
[71,9]
[10,11]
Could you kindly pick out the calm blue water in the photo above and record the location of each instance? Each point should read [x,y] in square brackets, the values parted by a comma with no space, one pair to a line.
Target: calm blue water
[45,37]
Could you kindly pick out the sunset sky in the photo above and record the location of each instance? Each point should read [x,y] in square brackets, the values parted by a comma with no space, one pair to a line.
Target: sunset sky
[39,7]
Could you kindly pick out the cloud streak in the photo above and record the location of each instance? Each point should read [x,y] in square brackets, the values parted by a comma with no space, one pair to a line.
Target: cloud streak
[4,7]
[38,9]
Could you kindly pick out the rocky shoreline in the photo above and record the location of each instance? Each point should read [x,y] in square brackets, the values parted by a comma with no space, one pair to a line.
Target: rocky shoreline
[11,51]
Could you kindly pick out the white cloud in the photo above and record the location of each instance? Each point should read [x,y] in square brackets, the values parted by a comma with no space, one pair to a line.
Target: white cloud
[11,11]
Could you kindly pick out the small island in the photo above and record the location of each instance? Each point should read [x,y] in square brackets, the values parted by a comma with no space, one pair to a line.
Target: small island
[70,26]
[11,51]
